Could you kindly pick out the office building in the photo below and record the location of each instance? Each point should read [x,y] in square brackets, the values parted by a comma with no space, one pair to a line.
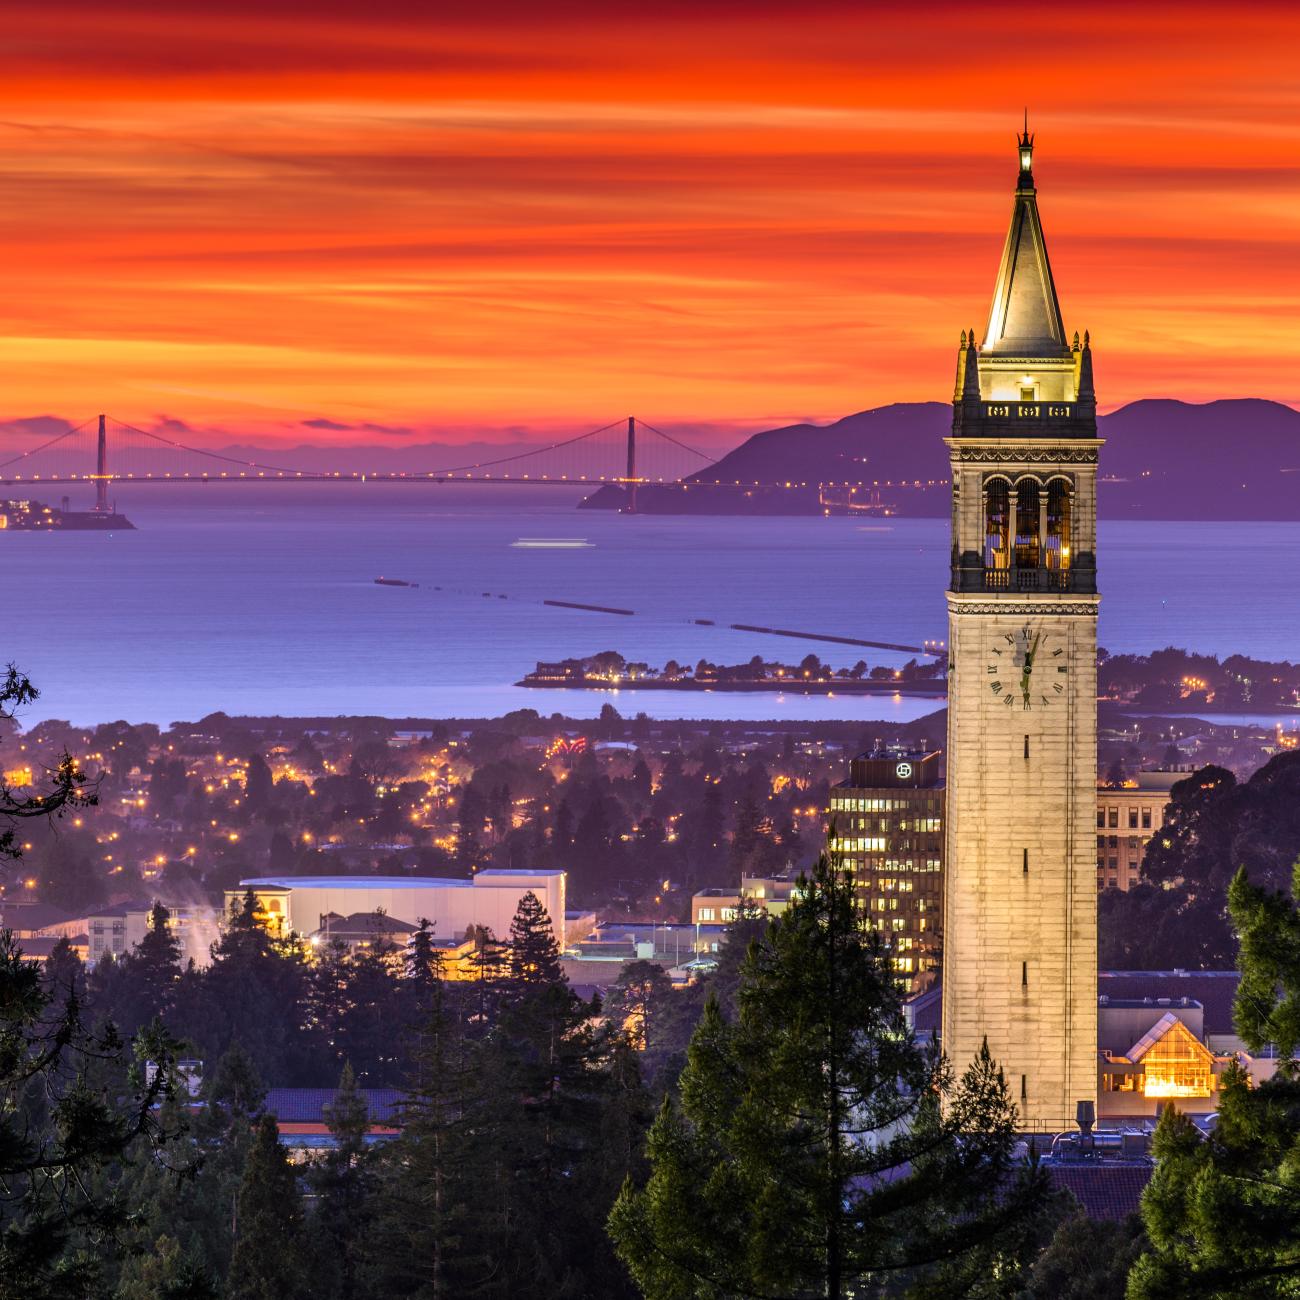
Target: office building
[887,832]
[1127,817]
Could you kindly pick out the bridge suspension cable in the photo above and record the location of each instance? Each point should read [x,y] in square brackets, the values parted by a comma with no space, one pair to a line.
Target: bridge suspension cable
[59,437]
[216,455]
[524,455]
[668,437]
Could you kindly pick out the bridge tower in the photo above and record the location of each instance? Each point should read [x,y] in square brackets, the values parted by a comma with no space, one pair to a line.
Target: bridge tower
[630,507]
[101,470]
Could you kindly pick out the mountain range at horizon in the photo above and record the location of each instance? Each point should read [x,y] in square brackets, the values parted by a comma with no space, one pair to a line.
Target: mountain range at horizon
[1232,458]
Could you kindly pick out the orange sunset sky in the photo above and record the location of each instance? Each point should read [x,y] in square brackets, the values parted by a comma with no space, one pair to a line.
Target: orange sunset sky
[464,221]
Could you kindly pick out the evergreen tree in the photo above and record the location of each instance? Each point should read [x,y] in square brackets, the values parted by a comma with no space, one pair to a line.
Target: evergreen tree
[354,1006]
[501,810]
[190,1196]
[141,984]
[67,786]
[562,839]
[817,1149]
[64,973]
[343,1185]
[534,958]
[436,1234]
[595,855]
[469,829]
[255,992]
[258,785]
[551,1081]
[1087,1259]
[745,838]
[281,855]
[268,1261]
[69,1112]
[422,962]
[489,965]
[637,1000]
[166,1272]
[1221,1209]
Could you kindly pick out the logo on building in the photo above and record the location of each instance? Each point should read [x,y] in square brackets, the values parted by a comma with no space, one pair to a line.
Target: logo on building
[903,771]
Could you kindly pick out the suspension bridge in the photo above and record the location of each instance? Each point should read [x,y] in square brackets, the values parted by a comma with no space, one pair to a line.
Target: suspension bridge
[628,453]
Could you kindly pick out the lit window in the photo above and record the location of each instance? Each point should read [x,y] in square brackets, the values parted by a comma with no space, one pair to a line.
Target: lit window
[1176,1065]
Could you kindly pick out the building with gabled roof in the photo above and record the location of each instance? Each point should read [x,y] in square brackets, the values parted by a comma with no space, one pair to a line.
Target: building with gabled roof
[1167,1064]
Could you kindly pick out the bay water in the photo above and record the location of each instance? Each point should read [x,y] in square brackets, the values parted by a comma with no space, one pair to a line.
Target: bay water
[262,600]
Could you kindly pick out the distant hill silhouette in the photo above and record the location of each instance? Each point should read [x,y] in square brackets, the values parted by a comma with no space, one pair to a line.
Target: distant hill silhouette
[904,441]
[1163,459]
[1237,459]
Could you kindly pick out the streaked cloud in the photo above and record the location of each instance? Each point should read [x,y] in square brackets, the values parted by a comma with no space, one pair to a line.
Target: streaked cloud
[388,219]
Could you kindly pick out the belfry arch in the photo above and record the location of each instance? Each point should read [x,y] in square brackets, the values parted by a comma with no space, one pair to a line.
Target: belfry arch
[1027,531]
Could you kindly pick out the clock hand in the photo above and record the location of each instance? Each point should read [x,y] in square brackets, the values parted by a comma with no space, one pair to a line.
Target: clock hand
[1030,651]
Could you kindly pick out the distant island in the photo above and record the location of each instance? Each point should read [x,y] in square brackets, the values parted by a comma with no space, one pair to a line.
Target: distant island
[1163,459]
[1165,681]
[610,670]
[27,516]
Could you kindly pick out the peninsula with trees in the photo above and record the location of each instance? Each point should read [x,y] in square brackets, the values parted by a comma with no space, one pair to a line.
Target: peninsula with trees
[610,670]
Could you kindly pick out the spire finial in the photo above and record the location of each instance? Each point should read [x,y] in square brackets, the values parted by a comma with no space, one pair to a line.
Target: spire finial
[1025,145]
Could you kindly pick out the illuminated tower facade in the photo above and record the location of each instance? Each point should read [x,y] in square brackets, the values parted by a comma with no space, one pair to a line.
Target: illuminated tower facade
[1020,900]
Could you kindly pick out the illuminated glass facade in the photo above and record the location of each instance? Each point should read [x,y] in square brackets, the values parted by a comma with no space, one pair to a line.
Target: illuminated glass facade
[887,830]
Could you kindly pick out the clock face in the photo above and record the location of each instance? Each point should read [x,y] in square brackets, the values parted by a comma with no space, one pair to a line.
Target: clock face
[1027,669]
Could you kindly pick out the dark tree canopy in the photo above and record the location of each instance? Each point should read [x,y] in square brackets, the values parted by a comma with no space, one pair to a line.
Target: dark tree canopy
[1220,1210]
[269,1260]
[1178,915]
[817,1149]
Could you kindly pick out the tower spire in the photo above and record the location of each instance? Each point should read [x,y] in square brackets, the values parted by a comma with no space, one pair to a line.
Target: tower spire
[1025,320]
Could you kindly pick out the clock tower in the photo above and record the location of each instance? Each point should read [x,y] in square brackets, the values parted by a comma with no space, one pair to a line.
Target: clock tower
[1020,898]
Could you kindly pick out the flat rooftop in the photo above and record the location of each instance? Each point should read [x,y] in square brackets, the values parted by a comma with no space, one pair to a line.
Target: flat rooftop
[384,882]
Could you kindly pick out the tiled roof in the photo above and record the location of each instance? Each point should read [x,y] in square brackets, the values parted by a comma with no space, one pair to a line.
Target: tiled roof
[366,924]
[307,1105]
[925,1009]
[1213,989]
[40,948]
[33,916]
[1105,1191]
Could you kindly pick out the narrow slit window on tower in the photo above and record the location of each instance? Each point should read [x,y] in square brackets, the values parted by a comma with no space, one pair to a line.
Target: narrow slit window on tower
[1024,974]
[1024,1087]
[1026,746]
[1025,863]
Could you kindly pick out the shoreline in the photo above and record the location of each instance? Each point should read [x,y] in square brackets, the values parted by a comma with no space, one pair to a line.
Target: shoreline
[789,686]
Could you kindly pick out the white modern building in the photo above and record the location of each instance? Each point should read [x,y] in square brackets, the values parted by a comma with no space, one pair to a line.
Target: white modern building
[299,904]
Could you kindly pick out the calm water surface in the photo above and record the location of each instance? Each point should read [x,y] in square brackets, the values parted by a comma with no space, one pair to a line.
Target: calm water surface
[262,600]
